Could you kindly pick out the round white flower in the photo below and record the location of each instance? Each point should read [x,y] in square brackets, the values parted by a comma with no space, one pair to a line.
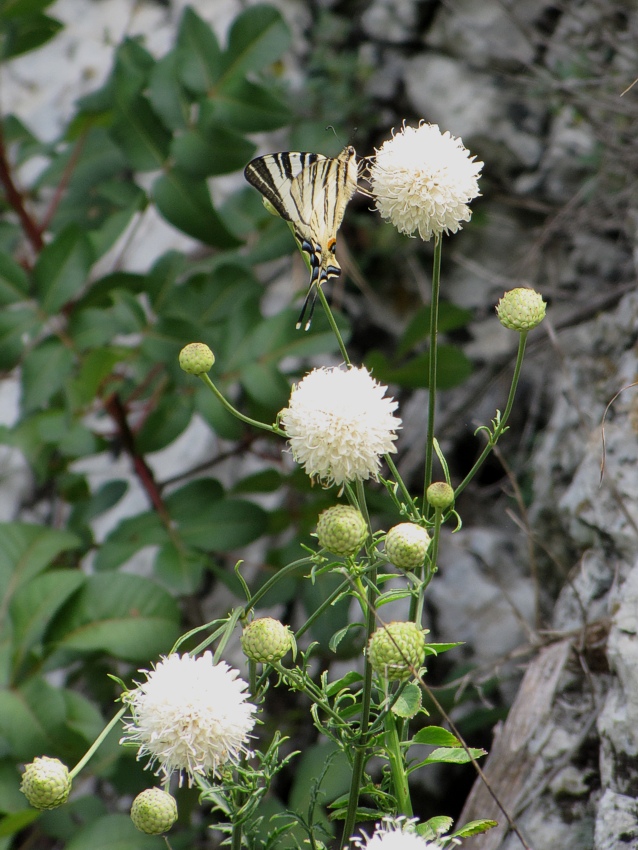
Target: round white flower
[338,424]
[189,716]
[423,180]
[395,834]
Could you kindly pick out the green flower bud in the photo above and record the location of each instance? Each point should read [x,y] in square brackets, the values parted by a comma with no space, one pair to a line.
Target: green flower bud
[154,811]
[342,530]
[196,358]
[46,783]
[266,640]
[521,309]
[406,545]
[440,495]
[396,649]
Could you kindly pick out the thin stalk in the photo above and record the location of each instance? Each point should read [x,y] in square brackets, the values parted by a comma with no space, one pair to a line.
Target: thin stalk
[397,766]
[434,330]
[501,426]
[211,386]
[399,480]
[333,325]
[98,742]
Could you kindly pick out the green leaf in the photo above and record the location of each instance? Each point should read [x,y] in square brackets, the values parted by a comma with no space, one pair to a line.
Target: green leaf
[266,481]
[224,525]
[128,537]
[193,498]
[23,34]
[164,424]
[453,367]
[450,318]
[408,703]
[14,8]
[265,384]
[16,326]
[257,38]
[11,824]
[14,284]
[96,367]
[199,53]
[44,372]
[436,736]
[141,136]
[180,568]
[249,107]
[34,604]
[31,718]
[125,615]
[451,755]
[11,798]
[218,150]
[165,93]
[28,550]
[185,203]
[434,827]
[62,268]
[113,832]
[474,827]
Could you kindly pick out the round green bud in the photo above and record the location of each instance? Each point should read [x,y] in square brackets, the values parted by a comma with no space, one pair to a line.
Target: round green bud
[154,811]
[440,495]
[266,640]
[396,650]
[46,783]
[521,309]
[342,530]
[406,545]
[196,358]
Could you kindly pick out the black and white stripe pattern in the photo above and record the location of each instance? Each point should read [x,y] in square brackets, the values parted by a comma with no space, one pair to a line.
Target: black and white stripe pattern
[310,191]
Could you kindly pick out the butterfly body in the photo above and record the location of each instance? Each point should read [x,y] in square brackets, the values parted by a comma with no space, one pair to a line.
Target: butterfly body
[311,192]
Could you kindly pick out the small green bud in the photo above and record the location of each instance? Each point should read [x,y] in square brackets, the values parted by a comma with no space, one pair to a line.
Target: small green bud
[196,358]
[46,783]
[266,640]
[154,811]
[440,495]
[342,530]
[396,649]
[521,309]
[406,545]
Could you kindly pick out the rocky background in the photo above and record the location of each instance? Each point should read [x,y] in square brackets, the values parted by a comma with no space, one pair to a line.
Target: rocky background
[544,576]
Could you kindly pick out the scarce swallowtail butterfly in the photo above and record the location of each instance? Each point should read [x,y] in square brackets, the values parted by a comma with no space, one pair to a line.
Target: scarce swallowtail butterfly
[311,192]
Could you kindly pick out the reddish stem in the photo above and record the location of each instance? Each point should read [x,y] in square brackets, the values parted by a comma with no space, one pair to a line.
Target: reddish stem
[16,201]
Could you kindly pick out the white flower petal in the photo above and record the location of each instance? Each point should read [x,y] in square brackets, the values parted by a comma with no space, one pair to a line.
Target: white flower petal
[338,424]
[423,180]
[395,834]
[190,716]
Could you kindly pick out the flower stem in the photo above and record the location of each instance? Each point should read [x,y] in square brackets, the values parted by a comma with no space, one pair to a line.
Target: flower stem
[211,386]
[98,742]
[500,428]
[434,328]
[333,325]
[409,501]
[397,766]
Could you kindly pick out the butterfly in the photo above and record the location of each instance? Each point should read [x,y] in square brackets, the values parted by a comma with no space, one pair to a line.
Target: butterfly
[311,192]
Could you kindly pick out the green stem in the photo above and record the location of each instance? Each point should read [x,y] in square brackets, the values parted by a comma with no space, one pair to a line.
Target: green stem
[503,422]
[397,766]
[98,742]
[434,329]
[333,325]
[430,566]
[404,490]
[272,428]
[236,836]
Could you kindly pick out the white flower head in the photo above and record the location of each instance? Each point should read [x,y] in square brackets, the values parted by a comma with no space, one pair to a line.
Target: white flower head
[338,424]
[190,716]
[423,180]
[397,833]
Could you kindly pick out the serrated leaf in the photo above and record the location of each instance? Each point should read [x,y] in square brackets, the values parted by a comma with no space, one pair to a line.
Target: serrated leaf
[258,37]
[62,268]
[185,203]
[436,736]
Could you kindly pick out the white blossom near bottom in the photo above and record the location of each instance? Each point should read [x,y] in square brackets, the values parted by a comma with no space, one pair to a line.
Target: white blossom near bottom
[338,424]
[397,833]
[190,716]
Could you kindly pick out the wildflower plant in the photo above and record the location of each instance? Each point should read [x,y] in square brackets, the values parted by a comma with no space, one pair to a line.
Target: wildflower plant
[193,720]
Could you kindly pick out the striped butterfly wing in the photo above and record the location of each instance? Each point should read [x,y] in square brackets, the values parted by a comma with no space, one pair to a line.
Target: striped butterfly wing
[310,191]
